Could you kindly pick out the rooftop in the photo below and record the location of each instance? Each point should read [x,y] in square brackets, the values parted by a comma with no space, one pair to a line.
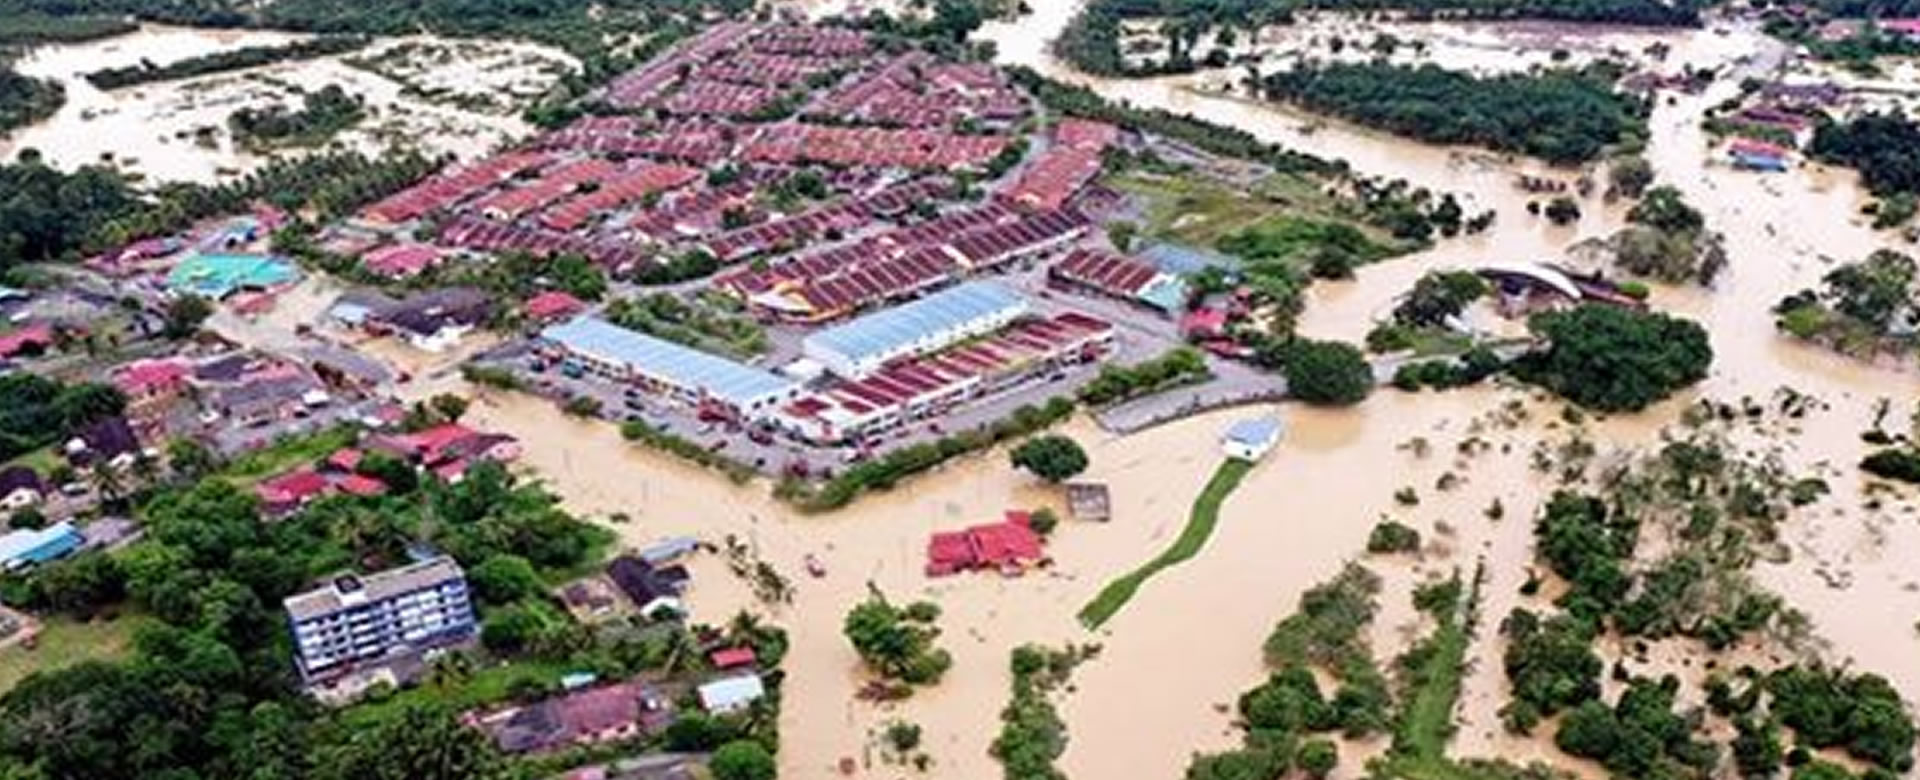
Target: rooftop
[216,275]
[326,600]
[889,330]
[735,383]
[1256,431]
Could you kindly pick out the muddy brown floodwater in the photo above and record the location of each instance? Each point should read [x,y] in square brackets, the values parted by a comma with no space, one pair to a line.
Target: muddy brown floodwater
[1189,642]
[150,129]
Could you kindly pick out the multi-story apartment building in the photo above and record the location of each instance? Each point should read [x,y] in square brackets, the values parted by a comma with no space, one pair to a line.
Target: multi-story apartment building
[355,621]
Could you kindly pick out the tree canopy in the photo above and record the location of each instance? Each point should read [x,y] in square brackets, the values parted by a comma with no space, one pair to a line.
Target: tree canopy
[1614,359]
[1558,116]
[1328,373]
[1052,457]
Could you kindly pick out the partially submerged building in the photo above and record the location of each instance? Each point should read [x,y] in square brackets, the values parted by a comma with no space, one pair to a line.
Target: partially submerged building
[686,376]
[859,347]
[1251,439]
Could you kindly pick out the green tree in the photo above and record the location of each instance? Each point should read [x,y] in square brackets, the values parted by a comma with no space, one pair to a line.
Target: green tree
[1053,458]
[1327,373]
[414,741]
[1630,176]
[894,645]
[189,459]
[1318,757]
[450,407]
[1614,359]
[504,579]
[742,760]
[184,315]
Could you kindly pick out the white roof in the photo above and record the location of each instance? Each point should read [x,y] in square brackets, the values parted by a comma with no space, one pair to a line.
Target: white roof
[731,692]
[1258,431]
[885,332]
[1543,274]
[736,383]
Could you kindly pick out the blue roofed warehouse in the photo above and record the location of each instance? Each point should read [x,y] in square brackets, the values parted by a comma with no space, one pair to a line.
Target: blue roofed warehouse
[683,374]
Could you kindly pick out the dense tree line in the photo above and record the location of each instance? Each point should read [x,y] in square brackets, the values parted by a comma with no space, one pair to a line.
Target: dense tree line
[1559,116]
[1092,42]
[209,691]
[25,100]
[36,411]
[1614,359]
[1074,100]
[55,215]
[322,113]
[1884,147]
[29,28]
[219,62]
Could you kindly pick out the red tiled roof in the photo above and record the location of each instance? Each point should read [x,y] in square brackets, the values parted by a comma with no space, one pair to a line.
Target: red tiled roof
[144,375]
[358,485]
[553,303]
[32,336]
[728,658]
[401,259]
[292,487]
[346,459]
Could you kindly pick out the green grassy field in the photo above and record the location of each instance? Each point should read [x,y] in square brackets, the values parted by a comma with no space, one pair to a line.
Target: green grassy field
[1200,524]
[1199,211]
[64,642]
[249,469]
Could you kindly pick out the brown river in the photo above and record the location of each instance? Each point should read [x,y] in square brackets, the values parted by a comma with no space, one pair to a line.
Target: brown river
[1180,652]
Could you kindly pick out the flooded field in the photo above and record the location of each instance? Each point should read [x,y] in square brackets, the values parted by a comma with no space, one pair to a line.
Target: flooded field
[444,96]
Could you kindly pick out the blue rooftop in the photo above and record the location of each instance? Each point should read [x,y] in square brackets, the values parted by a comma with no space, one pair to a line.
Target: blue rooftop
[1183,259]
[887,331]
[25,547]
[685,367]
[1258,430]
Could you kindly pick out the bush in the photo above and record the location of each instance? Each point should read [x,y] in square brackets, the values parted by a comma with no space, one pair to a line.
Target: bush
[1563,210]
[1043,521]
[886,471]
[1318,757]
[742,760]
[1898,464]
[1392,537]
[1329,373]
[1053,458]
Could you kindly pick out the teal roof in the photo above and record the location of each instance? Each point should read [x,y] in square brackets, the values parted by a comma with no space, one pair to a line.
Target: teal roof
[215,275]
[887,331]
[1166,293]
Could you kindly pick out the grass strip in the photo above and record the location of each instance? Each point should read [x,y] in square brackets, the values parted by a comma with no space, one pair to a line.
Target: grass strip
[1206,514]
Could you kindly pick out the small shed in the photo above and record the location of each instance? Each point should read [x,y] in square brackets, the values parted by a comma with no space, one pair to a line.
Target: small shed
[1089,501]
[1251,439]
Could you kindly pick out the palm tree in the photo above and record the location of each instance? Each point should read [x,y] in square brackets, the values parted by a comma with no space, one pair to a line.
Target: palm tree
[106,481]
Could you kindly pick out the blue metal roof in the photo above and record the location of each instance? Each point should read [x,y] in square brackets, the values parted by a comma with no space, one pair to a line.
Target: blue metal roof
[686,367]
[24,547]
[889,330]
[1255,431]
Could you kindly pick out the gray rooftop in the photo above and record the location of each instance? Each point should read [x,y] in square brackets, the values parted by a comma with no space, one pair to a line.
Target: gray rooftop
[888,330]
[735,383]
[326,600]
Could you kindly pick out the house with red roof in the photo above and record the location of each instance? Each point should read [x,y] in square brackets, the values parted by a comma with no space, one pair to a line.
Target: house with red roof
[399,261]
[732,657]
[28,341]
[447,450]
[1009,546]
[292,490]
[152,387]
[554,305]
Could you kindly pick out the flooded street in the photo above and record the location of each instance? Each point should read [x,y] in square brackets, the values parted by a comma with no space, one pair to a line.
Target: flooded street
[176,130]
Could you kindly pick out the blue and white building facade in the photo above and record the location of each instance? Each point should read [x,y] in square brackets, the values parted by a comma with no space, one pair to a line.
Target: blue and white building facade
[353,621]
[682,374]
[862,346]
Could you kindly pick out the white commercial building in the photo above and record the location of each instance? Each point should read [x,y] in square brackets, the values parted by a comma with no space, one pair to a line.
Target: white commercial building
[861,346]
